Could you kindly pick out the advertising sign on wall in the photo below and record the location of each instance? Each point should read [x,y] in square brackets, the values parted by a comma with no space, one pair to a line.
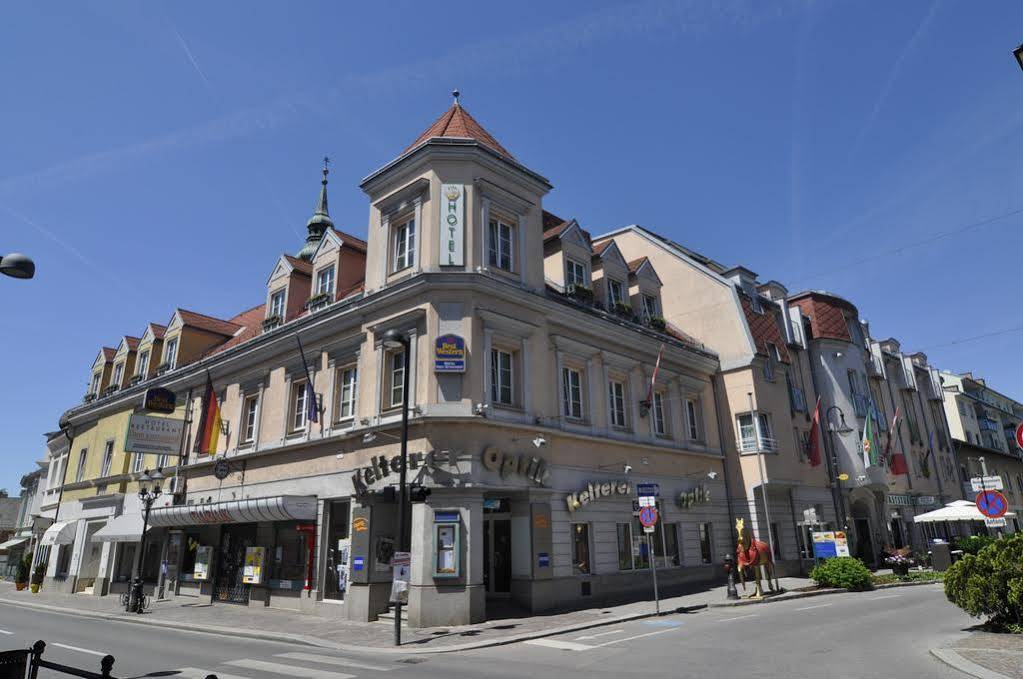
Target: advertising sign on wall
[159,435]
[830,543]
[203,557]
[452,220]
[255,558]
[449,354]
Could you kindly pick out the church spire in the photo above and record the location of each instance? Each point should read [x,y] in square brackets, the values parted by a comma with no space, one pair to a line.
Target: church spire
[320,221]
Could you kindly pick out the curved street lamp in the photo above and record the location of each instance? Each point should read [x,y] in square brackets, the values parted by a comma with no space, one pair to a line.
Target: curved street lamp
[17,265]
[1018,53]
[395,340]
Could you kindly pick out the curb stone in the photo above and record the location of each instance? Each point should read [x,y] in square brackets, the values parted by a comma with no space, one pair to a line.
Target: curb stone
[791,596]
[958,662]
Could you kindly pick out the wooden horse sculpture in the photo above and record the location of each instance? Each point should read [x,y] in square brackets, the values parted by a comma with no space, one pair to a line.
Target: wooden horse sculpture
[756,554]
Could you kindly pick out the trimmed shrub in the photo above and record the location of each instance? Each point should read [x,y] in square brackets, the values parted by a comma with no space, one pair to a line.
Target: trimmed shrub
[974,543]
[844,571]
[990,583]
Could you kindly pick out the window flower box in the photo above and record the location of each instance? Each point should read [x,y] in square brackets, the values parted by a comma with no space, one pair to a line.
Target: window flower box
[110,389]
[271,322]
[317,301]
[162,368]
[658,324]
[89,398]
[623,309]
[581,293]
[135,379]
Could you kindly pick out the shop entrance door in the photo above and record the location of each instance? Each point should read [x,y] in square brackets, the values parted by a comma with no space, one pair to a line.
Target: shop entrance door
[497,553]
[231,563]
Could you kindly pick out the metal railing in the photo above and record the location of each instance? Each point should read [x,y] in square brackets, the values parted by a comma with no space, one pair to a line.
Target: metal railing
[748,444]
[27,663]
[861,404]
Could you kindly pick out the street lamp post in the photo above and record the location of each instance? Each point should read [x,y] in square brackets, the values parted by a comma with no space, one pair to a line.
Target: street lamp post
[395,340]
[843,429]
[147,497]
[17,265]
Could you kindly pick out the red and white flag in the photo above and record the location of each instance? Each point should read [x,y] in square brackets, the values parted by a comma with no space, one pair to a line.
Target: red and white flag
[653,378]
[814,453]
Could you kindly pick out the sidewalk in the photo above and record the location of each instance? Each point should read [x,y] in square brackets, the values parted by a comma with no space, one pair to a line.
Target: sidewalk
[985,655]
[276,624]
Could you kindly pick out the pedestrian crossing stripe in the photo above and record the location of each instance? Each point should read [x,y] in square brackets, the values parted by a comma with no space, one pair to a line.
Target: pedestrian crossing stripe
[197,673]
[333,660]
[286,670]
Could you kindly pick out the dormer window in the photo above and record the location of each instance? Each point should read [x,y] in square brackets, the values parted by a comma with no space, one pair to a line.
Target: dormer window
[325,281]
[143,364]
[172,353]
[615,293]
[575,274]
[499,244]
[94,385]
[118,374]
[651,309]
[277,305]
[404,245]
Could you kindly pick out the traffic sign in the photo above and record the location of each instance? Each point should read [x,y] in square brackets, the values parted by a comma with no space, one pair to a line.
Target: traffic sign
[648,489]
[980,484]
[1019,435]
[995,523]
[650,529]
[647,501]
[648,516]
[991,504]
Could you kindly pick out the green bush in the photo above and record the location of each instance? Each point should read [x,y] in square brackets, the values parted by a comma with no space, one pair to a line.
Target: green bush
[843,571]
[39,574]
[990,583]
[974,543]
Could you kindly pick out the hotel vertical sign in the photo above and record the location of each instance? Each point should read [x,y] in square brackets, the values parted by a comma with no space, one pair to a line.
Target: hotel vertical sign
[452,224]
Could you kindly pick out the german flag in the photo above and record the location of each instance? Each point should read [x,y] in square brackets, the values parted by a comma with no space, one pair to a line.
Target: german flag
[209,421]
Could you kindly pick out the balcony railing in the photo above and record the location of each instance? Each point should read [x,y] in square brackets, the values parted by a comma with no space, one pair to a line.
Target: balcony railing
[748,444]
[987,424]
[914,431]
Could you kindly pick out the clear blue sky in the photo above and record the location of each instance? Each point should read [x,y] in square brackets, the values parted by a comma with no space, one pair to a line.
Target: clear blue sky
[156,155]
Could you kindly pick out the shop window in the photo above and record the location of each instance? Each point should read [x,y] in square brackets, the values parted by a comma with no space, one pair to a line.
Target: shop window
[660,418]
[572,393]
[190,544]
[338,550]
[501,373]
[404,238]
[616,403]
[291,552]
[581,549]
[347,380]
[500,237]
[665,542]
[125,561]
[632,547]
[624,547]
[249,414]
[706,546]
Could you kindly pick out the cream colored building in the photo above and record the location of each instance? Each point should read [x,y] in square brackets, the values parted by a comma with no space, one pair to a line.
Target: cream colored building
[533,411]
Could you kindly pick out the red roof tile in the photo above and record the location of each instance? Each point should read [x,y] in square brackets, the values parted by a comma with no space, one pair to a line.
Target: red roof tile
[827,316]
[302,266]
[208,323]
[764,327]
[636,263]
[158,330]
[599,248]
[108,353]
[251,322]
[456,122]
[351,240]
[133,342]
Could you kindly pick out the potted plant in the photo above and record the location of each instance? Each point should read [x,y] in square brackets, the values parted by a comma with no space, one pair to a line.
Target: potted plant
[899,563]
[581,293]
[658,323]
[623,309]
[37,577]
[21,576]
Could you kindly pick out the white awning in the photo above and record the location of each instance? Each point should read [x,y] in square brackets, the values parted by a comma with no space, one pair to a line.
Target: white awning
[123,528]
[251,510]
[960,510]
[60,533]
[11,543]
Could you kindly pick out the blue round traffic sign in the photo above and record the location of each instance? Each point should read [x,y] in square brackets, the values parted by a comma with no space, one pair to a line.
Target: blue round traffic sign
[648,516]
[992,504]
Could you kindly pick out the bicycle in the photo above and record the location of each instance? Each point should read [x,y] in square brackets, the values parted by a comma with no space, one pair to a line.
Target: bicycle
[147,601]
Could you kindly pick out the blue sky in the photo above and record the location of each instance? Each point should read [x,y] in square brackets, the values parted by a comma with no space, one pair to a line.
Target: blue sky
[157,155]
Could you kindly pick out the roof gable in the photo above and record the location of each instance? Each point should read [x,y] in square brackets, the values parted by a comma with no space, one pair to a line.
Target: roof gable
[288,264]
[642,268]
[608,251]
[105,355]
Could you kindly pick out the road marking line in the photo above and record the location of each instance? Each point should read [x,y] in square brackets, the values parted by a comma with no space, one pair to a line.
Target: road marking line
[638,636]
[563,645]
[807,608]
[287,670]
[887,596]
[197,673]
[741,617]
[601,634]
[662,623]
[333,660]
[80,650]
[3,631]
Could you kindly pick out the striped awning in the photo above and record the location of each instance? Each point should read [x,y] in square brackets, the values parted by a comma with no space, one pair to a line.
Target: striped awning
[250,510]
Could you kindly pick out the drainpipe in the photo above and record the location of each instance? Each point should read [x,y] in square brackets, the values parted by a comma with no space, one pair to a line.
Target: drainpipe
[724,455]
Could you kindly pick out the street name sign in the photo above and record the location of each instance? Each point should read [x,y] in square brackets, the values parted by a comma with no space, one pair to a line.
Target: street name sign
[648,489]
[980,484]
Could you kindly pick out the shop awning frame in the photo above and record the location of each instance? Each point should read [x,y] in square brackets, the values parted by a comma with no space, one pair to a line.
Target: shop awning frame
[13,542]
[123,528]
[249,510]
[60,533]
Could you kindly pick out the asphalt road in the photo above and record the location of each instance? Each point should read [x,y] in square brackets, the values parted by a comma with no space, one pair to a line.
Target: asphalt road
[877,634]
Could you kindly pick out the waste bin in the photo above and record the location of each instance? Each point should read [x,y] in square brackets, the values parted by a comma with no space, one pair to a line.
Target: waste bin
[941,556]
